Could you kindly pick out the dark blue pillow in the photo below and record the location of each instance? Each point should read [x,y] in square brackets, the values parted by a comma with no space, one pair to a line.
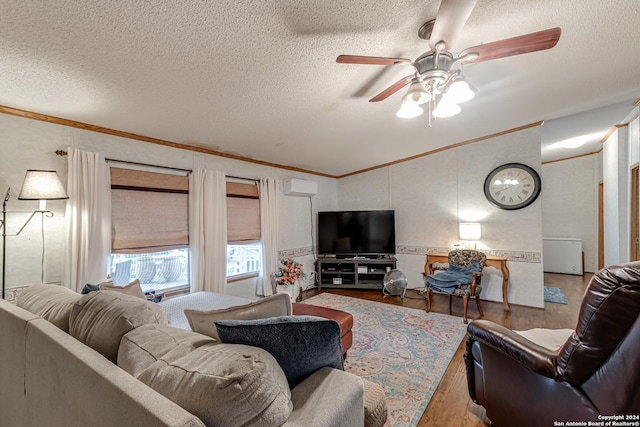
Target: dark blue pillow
[90,288]
[300,344]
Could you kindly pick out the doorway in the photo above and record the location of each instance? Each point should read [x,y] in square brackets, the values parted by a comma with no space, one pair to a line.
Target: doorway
[600,225]
[634,217]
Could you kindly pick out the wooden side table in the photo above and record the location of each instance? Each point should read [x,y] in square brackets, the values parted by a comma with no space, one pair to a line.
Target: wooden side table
[498,262]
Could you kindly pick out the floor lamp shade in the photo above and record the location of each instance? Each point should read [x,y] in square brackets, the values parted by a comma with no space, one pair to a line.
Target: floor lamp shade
[38,185]
[42,185]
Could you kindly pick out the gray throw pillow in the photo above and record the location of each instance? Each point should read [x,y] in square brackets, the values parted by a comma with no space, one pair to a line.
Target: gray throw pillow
[272,306]
[51,302]
[100,319]
[300,344]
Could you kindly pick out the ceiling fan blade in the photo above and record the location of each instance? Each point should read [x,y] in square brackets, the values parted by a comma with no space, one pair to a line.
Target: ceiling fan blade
[370,60]
[392,89]
[527,43]
[452,16]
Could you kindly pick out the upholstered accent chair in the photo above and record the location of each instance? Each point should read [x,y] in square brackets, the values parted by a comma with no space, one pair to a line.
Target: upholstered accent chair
[595,372]
[464,260]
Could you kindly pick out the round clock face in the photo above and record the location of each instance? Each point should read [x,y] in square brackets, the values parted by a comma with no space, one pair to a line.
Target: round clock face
[512,186]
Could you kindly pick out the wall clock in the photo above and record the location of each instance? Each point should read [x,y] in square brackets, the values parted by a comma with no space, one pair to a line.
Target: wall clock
[512,186]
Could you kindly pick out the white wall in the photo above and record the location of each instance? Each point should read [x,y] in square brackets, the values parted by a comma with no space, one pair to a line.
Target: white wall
[432,194]
[621,151]
[616,195]
[569,201]
[31,144]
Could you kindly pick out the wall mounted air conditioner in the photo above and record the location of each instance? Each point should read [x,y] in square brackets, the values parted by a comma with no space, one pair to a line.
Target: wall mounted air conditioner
[300,187]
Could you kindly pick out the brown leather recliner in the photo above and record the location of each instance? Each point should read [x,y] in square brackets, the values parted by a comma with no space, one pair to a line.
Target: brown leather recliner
[596,371]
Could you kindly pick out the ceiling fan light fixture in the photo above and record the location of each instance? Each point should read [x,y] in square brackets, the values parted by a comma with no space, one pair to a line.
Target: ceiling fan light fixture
[469,57]
[460,91]
[446,108]
[409,109]
[417,93]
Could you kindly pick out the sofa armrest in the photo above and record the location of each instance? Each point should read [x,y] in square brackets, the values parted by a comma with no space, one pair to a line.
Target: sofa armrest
[328,398]
[532,356]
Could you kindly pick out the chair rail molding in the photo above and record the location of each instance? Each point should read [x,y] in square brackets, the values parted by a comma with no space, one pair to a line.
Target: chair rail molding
[513,256]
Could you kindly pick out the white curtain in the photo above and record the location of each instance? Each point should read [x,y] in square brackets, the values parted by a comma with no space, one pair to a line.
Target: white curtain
[88,220]
[268,231]
[208,230]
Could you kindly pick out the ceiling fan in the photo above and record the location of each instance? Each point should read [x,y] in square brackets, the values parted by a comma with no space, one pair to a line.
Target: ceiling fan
[436,80]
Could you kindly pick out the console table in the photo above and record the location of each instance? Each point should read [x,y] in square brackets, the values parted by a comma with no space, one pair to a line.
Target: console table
[498,262]
[353,273]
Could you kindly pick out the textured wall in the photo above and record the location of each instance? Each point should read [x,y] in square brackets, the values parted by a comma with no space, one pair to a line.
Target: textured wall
[431,194]
[569,201]
[30,144]
[615,173]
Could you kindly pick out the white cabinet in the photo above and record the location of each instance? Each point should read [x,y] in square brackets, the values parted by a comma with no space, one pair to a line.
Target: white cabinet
[562,255]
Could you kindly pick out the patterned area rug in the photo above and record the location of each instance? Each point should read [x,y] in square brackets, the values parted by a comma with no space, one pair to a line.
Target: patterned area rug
[404,350]
[555,295]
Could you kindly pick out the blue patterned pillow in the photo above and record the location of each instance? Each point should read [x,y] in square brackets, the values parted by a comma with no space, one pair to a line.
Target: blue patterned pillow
[300,344]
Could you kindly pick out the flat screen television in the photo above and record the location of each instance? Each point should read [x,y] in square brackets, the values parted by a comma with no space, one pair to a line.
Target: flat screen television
[357,233]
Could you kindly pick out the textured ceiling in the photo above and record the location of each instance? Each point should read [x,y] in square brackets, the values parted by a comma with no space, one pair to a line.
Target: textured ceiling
[259,78]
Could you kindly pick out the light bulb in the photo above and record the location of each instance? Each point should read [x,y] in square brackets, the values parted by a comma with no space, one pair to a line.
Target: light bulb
[409,109]
[417,93]
[446,108]
[459,92]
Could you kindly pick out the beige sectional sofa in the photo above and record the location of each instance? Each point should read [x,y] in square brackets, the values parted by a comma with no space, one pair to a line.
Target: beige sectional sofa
[51,376]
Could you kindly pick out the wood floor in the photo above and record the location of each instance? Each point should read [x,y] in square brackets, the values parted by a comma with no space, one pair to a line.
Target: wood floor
[450,404]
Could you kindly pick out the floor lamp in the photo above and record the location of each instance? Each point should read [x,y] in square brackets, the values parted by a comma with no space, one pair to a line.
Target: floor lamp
[40,185]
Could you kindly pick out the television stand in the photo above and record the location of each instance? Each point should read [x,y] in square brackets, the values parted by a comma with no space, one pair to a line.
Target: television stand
[353,273]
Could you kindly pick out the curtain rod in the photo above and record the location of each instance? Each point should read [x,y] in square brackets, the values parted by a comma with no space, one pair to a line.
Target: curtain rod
[64,153]
[245,179]
[146,164]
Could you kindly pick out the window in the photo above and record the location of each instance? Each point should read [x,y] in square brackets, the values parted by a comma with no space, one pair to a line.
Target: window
[150,235]
[244,249]
[243,259]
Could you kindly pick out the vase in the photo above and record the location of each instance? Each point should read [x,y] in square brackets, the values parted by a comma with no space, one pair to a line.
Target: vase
[292,290]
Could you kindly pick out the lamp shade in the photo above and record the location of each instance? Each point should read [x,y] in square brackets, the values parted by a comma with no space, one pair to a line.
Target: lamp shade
[42,185]
[418,94]
[409,109]
[470,231]
[460,91]
[446,108]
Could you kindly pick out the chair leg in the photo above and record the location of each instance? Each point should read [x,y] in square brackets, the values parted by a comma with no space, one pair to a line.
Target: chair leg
[466,306]
[428,300]
[450,300]
[479,305]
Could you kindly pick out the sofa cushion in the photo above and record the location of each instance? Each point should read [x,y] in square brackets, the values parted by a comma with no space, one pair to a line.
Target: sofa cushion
[300,344]
[143,346]
[51,302]
[100,319]
[132,288]
[202,321]
[222,384]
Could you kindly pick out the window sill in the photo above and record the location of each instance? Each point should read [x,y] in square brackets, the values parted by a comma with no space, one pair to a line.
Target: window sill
[241,277]
[166,289]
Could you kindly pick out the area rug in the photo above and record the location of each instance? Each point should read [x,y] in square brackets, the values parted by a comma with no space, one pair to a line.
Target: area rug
[404,350]
[555,295]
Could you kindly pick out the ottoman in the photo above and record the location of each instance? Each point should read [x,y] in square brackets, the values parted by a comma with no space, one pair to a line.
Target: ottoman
[344,319]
